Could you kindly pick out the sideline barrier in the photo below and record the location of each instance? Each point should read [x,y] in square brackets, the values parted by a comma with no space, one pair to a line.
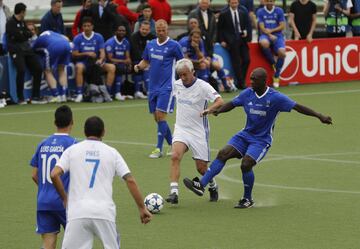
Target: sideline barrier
[323,60]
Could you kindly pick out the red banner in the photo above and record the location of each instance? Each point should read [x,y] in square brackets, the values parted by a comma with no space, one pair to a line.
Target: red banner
[323,60]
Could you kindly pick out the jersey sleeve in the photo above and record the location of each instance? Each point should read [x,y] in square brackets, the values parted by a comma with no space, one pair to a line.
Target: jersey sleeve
[281,16]
[145,54]
[76,43]
[178,54]
[101,42]
[121,168]
[34,159]
[239,100]
[284,103]
[210,93]
[108,47]
[259,15]
[64,161]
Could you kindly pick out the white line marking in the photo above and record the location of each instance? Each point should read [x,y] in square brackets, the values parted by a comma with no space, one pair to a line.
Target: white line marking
[103,107]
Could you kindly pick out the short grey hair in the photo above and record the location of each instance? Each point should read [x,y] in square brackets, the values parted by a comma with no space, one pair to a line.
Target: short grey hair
[184,63]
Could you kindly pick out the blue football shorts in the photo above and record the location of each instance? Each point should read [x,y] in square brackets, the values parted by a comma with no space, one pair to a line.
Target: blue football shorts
[58,54]
[275,45]
[250,146]
[161,101]
[50,221]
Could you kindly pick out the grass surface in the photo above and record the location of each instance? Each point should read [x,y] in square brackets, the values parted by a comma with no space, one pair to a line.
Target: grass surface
[306,189]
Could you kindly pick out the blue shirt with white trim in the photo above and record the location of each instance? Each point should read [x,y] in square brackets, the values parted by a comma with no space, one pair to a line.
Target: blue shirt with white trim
[271,19]
[45,158]
[88,44]
[117,48]
[162,58]
[261,111]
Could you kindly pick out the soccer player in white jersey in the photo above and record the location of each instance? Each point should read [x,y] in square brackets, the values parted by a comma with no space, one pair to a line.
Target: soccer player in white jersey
[91,210]
[192,125]
[262,105]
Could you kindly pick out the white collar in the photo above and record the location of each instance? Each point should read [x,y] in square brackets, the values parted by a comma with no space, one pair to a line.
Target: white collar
[259,97]
[269,11]
[117,41]
[160,44]
[91,36]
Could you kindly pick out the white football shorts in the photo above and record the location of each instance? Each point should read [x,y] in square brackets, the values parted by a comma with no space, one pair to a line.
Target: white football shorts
[198,144]
[79,234]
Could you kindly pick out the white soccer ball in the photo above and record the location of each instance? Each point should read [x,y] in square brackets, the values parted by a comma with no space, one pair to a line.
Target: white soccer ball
[154,202]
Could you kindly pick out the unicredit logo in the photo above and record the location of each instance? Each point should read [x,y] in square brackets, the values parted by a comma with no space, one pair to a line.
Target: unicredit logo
[319,61]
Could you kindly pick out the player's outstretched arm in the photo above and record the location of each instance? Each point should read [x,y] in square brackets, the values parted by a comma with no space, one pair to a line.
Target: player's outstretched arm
[58,184]
[309,112]
[216,105]
[145,215]
[224,108]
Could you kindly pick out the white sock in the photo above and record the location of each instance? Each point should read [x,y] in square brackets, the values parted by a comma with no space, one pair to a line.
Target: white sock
[212,183]
[174,188]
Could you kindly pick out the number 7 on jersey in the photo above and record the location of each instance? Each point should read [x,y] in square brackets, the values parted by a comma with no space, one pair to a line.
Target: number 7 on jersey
[96,163]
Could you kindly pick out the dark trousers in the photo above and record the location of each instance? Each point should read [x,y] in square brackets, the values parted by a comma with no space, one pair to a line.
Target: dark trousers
[240,60]
[30,61]
[2,52]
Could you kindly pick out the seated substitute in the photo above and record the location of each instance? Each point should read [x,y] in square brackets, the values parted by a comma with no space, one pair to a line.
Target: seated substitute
[118,52]
[271,23]
[89,51]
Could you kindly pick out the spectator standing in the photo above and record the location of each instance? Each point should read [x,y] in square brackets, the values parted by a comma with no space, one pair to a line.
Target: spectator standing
[91,210]
[207,24]
[355,17]
[106,19]
[146,16]
[51,213]
[138,41]
[271,22]
[161,10]
[5,14]
[117,50]
[232,35]
[53,19]
[302,19]
[191,24]
[17,36]
[89,54]
[336,14]
[160,54]
[83,11]
[122,9]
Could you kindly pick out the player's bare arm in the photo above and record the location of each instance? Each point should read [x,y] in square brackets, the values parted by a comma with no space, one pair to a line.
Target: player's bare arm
[224,108]
[141,65]
[309,112]
[145,215]
[216,105]
[56,173]
[34,175]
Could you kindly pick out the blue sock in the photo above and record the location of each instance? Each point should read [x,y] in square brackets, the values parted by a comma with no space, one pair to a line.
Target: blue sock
[278,66]
[62,90]
[268,55]
[109,89]
[137,80]
[117,87]
[79,90]
[248,180]
[162,129]
[168,135]
[214,169]
[54,92]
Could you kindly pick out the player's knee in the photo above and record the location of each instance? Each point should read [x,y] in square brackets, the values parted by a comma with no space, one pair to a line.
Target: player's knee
[264,44]
[175,156]
[247,164]
[282,54]
[223,155]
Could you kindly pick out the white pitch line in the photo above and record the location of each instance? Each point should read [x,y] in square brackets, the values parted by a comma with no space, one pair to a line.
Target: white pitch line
[103,107]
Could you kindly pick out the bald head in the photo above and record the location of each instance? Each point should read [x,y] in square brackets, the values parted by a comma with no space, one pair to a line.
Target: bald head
[161,28]
[161,23]
[260,73]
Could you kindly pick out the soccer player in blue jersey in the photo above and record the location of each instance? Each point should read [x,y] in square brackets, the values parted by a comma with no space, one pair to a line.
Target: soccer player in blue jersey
[160,54]
[50,209]
[194,49]
[118,52]
[89,49]
[55,52]
[261,104]
[271,22]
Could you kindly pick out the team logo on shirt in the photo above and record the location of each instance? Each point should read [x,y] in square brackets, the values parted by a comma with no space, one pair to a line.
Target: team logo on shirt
[250,103]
